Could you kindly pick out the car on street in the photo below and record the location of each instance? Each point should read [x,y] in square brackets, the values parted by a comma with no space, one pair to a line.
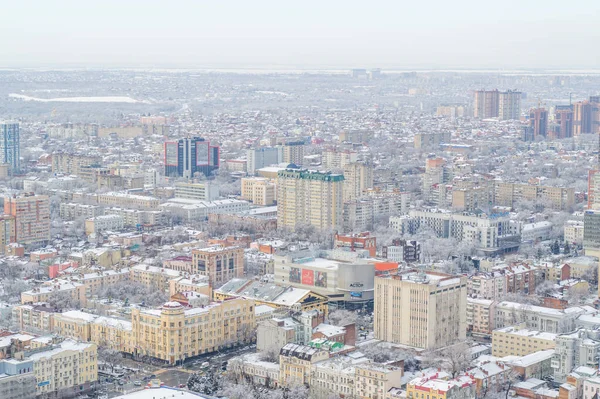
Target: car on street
[137,383]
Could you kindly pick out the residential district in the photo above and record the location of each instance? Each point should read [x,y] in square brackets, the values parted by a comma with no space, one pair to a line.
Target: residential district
[354,234]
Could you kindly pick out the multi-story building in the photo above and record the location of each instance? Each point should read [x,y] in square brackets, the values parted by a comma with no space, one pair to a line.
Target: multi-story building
[421,309]
[189,209]
[261,157]
[204,191]
[360,241]
[591,232]
[34,317]
[10,146]
[32,218]
[593,189]
[186,157]
[125,200]
[472,198]
[491,234]
[579,348]
[509,105]
[355,136]
[408,251]
[258,190]
[520,341]
[573,231]
[563,122]
[74,324]
[102,223]
[343,278]
[17,380]
[153,276]
[441,386]
[374,380]
[358,178]
[138,217]
[72,163]
[296,362]
[364,213]
[220,264]
[486,104]
[64,369]
[507,194]
[538,318]
[338,159]
[174,333]
[480,316]
[7,231]
[586,116]
[43,292]
[538,120]
[431,141]
[72,211]
[292,152]
[308,197]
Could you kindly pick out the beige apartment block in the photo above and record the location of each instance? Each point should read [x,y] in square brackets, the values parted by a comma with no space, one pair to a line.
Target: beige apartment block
[309,197]
[220,264]
[62,367]
[258,190]
[358,178]
[520,341]
[422,310]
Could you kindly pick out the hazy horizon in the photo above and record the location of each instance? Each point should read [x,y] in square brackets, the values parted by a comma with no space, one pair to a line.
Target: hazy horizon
[466,34]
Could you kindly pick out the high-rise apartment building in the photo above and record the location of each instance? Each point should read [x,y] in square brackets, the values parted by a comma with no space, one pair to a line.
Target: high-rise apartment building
[258,158]
[258,190]
[358,177]
[591,232]
[509,105]
[563,122]
[32,218]
[586,116]
[7,231]
[486,104]
[309,197]
[186,157]
[338,159]
[494,104]
[71,163]
[432,141]
[219,263]
[292,152]
[10,147]
[538,119]
[421,309]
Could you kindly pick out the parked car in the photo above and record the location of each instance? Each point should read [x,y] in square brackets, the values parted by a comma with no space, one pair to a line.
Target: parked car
[137,383]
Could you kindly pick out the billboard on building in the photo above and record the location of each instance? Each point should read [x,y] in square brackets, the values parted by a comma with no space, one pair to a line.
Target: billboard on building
[295,275]
[171,154]
[202,153]
[321,279]
[308,277]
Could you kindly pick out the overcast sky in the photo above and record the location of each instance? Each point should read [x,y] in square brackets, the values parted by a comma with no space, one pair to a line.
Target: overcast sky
[301,34]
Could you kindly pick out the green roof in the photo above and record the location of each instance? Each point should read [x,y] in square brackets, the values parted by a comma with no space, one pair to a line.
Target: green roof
[310,175]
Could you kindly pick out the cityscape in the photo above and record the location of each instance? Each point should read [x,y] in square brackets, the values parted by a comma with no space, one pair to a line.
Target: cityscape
[333,229]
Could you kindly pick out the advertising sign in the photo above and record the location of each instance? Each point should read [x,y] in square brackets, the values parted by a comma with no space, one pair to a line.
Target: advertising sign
[354,294]
[294,275]
[321,279]
[202,156]
[308,277]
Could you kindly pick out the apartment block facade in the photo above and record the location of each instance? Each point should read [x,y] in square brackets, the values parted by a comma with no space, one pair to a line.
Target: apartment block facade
[422,310]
